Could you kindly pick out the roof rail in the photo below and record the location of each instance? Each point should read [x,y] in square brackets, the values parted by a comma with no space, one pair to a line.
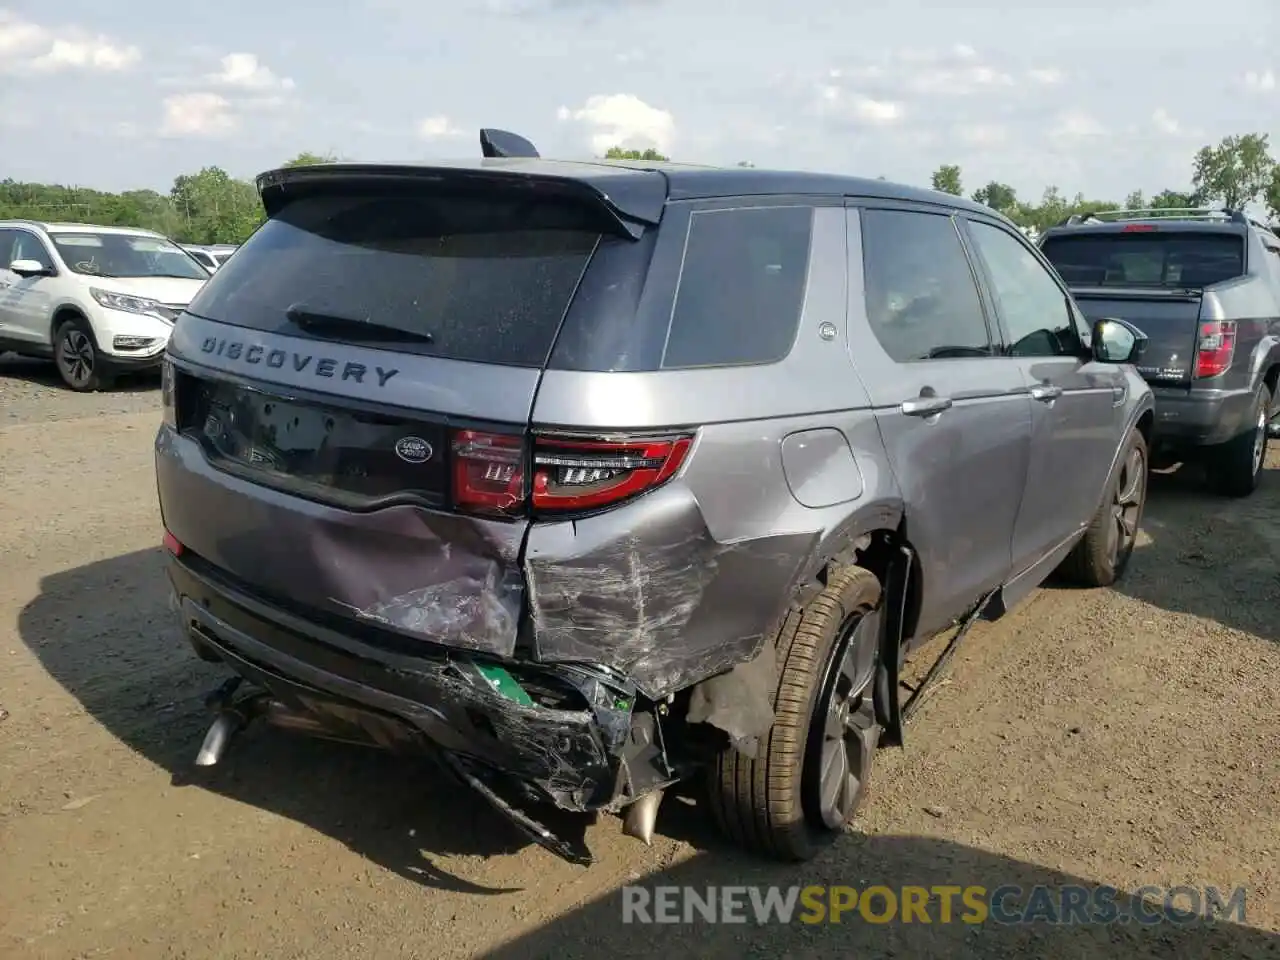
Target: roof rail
[503,143]
[1156,213]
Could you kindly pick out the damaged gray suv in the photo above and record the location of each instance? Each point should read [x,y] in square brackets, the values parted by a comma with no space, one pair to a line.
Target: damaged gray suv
[593,479]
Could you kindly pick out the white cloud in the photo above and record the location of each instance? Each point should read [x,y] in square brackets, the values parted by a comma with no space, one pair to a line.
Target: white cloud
[197,115]
[1165,123]
[1076,125]
[1263,81]
[1048,76]
[28,45]
[437,127]
[244,71]
[844,105]
[982,135]
[959,82]
[622,120]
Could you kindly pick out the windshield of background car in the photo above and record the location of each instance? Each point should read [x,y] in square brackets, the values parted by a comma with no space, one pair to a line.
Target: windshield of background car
[487,279]
[1173,259]
[120,255]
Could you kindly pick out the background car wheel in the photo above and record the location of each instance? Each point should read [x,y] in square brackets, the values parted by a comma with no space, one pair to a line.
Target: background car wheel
[76,354]
[1099,559]
[1234,468]
[815,764]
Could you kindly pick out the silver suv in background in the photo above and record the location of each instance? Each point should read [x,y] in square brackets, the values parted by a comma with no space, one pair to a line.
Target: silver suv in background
[589,478]
[1204,285]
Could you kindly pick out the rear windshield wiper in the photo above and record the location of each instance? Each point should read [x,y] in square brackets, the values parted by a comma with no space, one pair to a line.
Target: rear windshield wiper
[317,321]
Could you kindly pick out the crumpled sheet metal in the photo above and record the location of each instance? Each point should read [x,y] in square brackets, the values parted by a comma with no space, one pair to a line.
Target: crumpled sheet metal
[659,600]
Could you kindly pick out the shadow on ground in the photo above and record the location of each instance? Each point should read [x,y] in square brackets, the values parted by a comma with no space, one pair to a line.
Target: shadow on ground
[597,929]
[44,373]
[1208,555]
[128,665]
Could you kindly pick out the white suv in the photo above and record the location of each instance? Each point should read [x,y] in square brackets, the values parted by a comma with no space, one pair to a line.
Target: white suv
[99,300]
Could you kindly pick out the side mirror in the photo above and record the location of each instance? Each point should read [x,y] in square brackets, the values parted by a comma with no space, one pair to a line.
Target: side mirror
[1117,341]
[30,268]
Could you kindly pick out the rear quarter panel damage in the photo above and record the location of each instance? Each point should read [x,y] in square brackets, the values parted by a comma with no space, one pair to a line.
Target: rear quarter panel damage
[687,582]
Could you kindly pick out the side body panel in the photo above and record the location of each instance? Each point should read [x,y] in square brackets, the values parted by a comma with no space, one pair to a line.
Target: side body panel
[686,581]
[962,472]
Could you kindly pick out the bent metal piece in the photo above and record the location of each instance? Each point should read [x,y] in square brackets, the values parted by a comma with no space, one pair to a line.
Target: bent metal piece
[641,817]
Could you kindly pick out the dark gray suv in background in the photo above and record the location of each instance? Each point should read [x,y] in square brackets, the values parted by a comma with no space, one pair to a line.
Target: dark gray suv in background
[1204,286]
[592,478]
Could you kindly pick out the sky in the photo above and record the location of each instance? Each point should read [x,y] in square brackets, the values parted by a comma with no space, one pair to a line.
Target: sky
[1097,96]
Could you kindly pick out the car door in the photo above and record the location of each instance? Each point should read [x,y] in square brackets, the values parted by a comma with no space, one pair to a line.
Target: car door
[1078,404]
[8,295]
[954,416]
[31,300]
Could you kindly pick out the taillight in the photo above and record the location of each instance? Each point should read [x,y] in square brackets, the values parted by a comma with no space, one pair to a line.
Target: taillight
[488,472]
[570,474]
[1138,228]
[172,544]
[1215,348]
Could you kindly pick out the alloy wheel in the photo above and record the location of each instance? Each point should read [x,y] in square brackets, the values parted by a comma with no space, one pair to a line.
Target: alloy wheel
[844,733]
[75,357]
[1126,505]
[1260,440]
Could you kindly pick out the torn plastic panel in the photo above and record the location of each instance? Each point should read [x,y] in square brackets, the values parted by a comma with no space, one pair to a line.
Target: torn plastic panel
[650,594]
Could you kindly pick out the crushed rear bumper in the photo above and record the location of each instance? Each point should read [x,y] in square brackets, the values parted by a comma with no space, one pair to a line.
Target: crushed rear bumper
[423,702]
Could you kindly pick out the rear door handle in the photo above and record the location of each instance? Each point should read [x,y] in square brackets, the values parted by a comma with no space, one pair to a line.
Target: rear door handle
[925,406]
[1045,392]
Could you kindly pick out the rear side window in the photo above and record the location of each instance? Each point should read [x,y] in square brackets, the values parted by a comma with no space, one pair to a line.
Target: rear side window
[741,287]
[922,300]
[485,279]
[1174,259]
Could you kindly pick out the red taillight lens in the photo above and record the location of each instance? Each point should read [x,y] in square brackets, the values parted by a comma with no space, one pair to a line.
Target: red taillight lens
[1215,348]
[1138,228]
[589,474]
[172,544]
[488,472]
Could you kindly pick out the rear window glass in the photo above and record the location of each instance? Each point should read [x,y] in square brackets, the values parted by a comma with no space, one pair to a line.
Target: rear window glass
[487,279]
[741,287]
[1147,259]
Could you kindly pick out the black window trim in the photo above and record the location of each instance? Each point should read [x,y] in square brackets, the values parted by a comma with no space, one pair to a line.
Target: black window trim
[1084,336]
[728,204]
[995,336]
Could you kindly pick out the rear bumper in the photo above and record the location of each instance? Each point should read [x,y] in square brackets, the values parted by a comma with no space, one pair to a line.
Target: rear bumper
[1199,417]
[426,700]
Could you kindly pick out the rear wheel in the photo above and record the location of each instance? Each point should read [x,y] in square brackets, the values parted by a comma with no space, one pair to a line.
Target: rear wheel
[1234,468]
[799,796]
[1101,556]
[77,358]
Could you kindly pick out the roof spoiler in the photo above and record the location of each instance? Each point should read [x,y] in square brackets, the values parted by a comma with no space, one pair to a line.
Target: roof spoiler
[504,143]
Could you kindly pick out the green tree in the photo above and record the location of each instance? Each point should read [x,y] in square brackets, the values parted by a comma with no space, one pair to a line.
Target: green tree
[947,180]
[214,207]
[1235,172]
[307,158]
[1174,199]
[997,196]
[617,153]
[1272,198]
[1135,201]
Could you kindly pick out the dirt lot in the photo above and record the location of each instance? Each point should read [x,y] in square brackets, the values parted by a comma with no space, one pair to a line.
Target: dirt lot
[1127,736]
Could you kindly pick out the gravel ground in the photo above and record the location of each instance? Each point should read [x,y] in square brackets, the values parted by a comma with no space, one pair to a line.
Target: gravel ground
[1125,736]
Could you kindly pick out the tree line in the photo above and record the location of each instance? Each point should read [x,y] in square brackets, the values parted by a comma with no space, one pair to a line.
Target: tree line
[211,206]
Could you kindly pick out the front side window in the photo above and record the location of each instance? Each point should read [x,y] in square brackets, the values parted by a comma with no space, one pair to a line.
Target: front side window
[922,301]
[122,255]
[1034,307]
[741,287]
[27,246]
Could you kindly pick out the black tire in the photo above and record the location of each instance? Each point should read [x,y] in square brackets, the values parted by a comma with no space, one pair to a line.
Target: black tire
[771,806]
[1100,557]
[1234,467]
[76,355]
